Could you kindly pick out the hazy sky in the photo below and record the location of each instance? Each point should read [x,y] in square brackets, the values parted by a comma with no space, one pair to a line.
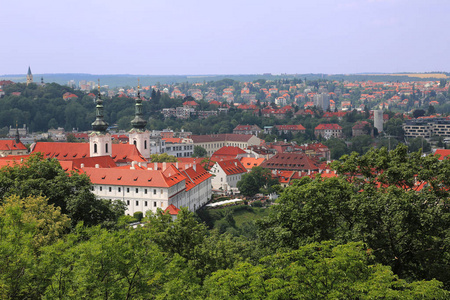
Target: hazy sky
[224,37]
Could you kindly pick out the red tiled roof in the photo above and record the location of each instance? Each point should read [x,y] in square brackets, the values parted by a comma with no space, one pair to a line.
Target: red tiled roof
[62,151]
[126,153]
[250,162]
[232,167]
[172,210]
[328,126]
[128,177]
[7,145]
[90,162]
[444,153]
[290,127]
[290,161]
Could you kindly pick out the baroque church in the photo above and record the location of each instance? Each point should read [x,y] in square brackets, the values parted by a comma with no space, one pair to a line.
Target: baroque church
[123,171]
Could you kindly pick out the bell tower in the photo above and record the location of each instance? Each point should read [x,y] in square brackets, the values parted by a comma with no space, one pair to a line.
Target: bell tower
[99,139]
[29,76]
[138,135]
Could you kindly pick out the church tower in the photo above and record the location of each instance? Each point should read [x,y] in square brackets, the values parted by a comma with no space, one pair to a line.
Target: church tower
[138,135]
[29,76]
[99,139]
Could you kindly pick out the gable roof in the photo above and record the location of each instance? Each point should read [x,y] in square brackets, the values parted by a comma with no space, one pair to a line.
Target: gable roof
[172,210]
[8,145]
[62,151]
[232,166]
[328,127]
[250,162]
[129,177]
[290,161]
[444,153]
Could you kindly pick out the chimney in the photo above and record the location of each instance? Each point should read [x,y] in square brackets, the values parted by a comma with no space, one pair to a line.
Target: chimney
[139,164]
[327,171]
[309,172]
[155,166]
[195,167]
[164,166]
[176,164]
[133,165]
[82,166]
[186,167]
[97,166]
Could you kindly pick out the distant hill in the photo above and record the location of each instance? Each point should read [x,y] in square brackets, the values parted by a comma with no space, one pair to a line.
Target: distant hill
[131,80]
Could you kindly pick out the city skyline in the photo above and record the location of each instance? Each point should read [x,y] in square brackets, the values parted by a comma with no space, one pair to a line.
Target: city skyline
[236,37]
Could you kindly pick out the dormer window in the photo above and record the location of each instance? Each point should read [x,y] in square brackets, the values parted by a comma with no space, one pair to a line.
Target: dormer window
[95,148]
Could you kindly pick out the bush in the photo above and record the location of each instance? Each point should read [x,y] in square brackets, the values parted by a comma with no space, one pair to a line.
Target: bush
[138,215]
[257,204]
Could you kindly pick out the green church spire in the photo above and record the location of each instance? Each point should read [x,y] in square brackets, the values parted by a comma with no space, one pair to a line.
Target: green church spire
[99,124]
[138,122]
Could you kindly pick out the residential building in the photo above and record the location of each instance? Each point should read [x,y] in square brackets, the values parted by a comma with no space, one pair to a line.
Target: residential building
[291,162]
[362,128]
[226,175]
[247,129]
[179,147]
[328,131]
[213,142]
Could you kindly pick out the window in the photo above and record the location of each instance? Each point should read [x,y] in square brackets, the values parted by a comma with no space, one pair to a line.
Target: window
[145,144]
[137,203]
[128,202]
[145,203]
[100,189]
[134,142]
[120,189]
[128,190]
[145,191]
[154,192]
[95,148]
[137,190]
[154,204]
[110,189]
[106,147]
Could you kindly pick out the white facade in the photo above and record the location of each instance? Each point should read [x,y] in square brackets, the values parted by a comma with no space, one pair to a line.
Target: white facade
[222,181]
[99,144]
[378,119]
[183,149]
[142,142]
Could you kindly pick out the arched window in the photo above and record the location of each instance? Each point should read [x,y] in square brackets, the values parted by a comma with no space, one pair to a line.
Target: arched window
[135,142]
[106,147]
[95,148]
[145,144]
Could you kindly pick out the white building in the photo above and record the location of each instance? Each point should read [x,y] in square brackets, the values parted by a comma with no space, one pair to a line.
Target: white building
[179,147]
[226,174]
[145,190]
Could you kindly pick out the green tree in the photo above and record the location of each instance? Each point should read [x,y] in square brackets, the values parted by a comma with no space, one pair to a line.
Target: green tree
[71,192]
[258,180]
[317,271]
[199,151]
[164,157]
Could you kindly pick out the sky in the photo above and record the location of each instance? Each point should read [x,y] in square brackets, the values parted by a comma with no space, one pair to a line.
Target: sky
[196,37]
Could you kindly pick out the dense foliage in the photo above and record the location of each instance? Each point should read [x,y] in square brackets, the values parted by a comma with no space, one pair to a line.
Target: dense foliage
[379,231]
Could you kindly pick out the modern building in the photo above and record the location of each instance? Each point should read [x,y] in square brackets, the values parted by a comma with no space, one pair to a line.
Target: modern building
[322,100]
[427,127]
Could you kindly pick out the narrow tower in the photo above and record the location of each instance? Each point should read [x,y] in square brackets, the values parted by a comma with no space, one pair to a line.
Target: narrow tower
[29,76]
[99,139]
[138,135]
[17,137]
